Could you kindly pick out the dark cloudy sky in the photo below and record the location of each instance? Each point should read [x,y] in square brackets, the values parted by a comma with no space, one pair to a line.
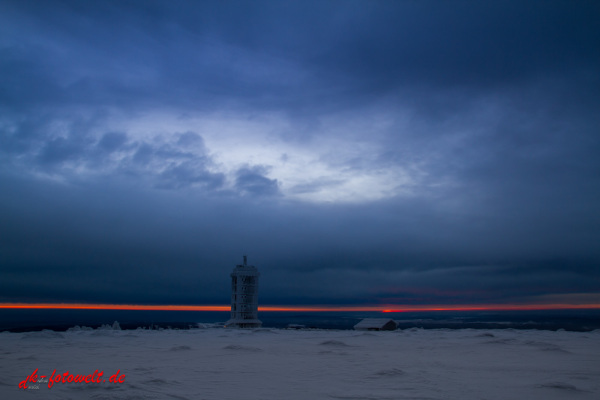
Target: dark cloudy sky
[360,152]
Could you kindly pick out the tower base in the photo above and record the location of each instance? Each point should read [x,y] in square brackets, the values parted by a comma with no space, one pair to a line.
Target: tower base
[243,323]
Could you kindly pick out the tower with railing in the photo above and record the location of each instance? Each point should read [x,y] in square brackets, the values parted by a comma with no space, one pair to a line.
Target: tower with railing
[244,297]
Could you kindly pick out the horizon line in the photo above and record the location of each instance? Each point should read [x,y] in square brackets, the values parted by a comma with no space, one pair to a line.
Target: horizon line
[390,308]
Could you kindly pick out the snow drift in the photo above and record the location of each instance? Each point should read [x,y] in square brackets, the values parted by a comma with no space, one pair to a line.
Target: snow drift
[306,364]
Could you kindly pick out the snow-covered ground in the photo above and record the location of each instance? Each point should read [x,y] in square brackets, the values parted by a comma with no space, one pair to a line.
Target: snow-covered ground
[288,364]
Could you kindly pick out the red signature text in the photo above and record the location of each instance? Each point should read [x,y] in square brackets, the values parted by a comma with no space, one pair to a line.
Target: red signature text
[68,377]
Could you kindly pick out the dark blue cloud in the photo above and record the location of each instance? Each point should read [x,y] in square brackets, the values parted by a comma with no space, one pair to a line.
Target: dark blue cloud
[112,141]
[252,181]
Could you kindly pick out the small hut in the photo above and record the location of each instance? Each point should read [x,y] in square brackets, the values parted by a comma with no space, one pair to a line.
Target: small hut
[376,324]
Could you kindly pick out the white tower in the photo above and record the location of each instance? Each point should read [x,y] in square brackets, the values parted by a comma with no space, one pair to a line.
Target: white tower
[244,297]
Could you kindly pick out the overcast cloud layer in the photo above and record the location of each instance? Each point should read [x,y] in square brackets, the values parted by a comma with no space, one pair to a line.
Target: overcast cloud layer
[360,152]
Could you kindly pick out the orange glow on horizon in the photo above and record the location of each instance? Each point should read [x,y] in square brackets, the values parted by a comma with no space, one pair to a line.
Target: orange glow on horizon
[318,308]
[140,307]
[496,307]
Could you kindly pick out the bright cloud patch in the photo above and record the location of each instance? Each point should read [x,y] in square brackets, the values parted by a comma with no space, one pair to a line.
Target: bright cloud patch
[220,153]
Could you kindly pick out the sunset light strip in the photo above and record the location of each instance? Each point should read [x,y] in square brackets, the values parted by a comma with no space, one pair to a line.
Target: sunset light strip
[319,308]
